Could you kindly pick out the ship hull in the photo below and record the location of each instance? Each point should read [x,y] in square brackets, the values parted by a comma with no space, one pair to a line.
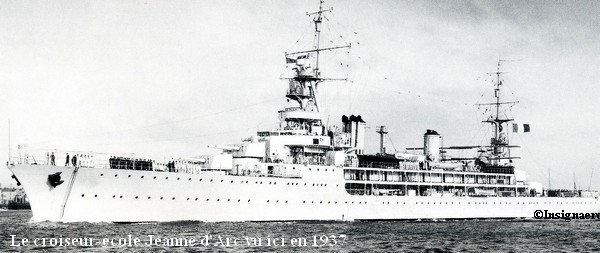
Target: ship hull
[112,195]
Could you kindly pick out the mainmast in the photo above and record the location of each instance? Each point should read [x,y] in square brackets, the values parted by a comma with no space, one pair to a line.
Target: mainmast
[500,142]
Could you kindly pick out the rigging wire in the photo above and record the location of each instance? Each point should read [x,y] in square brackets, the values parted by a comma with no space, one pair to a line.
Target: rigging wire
[159,124]
[393,146]
[178,139]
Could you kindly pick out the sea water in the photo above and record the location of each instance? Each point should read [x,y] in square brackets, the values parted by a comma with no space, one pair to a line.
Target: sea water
[19,234]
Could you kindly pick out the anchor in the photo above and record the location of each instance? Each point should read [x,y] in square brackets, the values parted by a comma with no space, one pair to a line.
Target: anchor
[54,179]
[16,179]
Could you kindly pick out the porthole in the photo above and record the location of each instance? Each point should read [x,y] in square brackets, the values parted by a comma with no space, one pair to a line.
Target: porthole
[207,199]
[82,195]
[161,197]
[286,201]
[196,199]
[129,176]
[115,175]
[142,177]
[218,199]
[178,178]
[188,198]
[114,196]
[277,201]
[136,197]
[149,197]
[317,169]
[228,200]
[154,177]
[304,202]
[260,182]
[325,169]
[211,180]
[101,175]
[200,179]
[173,198]
[166,178]
[320,202]
[121,196]
[221,180]
[267,201]
[239,200]
[96,195]
[190,179]
[248,200]
[232,181]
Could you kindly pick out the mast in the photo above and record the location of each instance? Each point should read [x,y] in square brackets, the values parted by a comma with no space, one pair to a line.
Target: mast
[549,181]
[8,142]
[590,184]
[318,19]
[500,140]
[307,76]
[574,182]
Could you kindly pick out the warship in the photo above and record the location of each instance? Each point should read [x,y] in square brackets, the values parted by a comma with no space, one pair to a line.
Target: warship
[305,169]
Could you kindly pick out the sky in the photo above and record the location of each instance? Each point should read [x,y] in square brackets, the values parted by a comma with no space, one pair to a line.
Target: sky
[166,79]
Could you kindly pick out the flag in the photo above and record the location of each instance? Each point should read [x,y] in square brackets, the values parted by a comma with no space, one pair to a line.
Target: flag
[515,128]
[526,128]
[289,60]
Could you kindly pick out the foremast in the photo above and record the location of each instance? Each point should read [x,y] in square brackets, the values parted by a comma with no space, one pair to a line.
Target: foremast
[303,86]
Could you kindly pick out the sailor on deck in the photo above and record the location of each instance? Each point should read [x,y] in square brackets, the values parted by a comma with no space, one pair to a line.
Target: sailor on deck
[67,161]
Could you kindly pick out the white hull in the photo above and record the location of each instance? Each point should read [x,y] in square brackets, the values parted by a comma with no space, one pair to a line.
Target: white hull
[109,195]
